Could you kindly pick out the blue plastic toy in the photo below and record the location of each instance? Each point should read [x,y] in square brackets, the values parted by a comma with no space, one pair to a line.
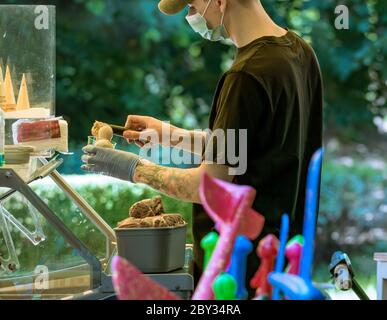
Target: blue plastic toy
[237,269]
[301,287]
[280,262]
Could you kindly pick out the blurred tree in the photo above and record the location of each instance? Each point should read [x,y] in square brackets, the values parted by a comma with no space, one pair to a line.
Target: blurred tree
[353,61]
[128,59]
[117,57]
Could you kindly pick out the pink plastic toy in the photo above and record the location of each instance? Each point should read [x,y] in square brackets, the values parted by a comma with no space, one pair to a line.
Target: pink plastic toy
[229,206]
[267,250]
[131,284]
[293,254]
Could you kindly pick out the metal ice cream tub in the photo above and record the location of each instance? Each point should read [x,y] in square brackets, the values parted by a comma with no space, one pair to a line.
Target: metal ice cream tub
[153,250]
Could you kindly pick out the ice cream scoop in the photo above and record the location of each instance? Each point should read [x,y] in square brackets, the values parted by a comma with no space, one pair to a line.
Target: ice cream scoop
[105,132]
[103,143]
[96,127]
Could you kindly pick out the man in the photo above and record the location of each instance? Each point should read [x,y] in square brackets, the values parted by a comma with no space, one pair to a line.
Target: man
[273,89]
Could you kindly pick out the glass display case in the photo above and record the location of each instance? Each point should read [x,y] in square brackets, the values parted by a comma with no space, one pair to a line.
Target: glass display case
[27,61]
[27,79]
[46,251]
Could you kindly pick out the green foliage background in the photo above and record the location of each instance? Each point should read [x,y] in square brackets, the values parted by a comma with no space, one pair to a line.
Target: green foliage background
[117,57]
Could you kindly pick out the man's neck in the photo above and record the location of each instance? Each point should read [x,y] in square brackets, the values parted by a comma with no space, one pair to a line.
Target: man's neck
[249,24]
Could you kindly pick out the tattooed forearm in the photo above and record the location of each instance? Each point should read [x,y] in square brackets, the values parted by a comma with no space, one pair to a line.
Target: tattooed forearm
[182,184]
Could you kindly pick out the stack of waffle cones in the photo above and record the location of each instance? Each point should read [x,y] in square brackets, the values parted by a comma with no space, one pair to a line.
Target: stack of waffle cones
[7,95]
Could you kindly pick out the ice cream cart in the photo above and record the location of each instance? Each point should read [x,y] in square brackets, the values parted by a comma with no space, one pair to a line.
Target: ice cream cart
[47,251]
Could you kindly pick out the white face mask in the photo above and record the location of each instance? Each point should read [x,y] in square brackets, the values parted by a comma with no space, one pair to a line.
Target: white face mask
[199,25]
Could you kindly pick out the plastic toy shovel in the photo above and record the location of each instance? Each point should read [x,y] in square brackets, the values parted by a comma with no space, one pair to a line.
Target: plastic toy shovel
[229,206]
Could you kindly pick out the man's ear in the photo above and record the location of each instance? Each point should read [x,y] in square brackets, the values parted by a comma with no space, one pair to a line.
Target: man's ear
[222,4]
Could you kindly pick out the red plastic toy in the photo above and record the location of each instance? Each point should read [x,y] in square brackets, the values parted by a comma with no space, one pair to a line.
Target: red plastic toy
[267,250]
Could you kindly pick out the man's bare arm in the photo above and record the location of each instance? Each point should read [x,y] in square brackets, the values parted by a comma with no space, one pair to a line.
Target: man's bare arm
[188,140]
[182,184]
[144,129]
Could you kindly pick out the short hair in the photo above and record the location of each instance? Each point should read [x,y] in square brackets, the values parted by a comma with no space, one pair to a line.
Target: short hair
[246,2]
[242,2]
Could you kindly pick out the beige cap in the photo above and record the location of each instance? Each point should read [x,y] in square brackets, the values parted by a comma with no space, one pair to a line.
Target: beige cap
[171,7]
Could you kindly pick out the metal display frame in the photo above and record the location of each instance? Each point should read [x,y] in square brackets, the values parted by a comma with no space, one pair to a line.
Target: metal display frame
[101,287]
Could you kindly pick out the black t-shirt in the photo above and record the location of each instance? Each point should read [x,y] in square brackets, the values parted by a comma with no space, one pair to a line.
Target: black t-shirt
[274,90]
